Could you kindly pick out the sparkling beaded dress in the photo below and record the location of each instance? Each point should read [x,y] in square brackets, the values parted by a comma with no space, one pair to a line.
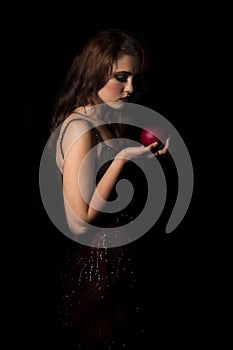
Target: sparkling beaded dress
[99,299]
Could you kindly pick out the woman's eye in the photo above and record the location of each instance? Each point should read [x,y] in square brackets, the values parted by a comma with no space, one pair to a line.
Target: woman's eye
[121,78]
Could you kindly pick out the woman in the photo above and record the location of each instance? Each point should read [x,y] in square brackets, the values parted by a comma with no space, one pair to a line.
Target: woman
[99,300]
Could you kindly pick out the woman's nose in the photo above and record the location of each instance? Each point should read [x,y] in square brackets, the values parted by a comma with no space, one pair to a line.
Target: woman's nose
[129,86]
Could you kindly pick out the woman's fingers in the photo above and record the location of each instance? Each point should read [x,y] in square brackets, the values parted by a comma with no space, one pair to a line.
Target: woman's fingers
[141,152]
[165,148]
[151,146]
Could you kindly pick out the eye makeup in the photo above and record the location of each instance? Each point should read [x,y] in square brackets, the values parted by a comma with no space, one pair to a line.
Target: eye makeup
[122,76]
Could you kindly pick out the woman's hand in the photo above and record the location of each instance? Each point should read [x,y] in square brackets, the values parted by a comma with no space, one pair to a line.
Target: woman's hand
[143,152]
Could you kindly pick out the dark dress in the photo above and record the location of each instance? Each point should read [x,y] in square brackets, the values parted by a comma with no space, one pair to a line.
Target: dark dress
[100,299]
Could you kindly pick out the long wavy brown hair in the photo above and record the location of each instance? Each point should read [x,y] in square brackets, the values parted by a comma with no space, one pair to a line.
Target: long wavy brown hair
[91,69]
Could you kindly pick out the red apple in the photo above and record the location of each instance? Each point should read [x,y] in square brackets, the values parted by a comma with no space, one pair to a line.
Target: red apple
[150,135]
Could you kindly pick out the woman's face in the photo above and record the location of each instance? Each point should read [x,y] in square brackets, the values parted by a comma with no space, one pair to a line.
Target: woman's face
[120,85]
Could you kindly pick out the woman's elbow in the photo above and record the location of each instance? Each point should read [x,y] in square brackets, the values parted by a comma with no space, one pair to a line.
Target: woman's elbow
[76,224]
[77,228]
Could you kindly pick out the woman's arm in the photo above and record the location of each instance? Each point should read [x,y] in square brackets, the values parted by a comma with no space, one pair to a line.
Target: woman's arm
[79,178]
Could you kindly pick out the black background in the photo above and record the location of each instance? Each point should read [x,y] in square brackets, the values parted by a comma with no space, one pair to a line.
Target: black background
[173,269]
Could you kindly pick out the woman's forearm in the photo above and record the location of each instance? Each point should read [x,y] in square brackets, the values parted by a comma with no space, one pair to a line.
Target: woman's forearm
[104,188]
